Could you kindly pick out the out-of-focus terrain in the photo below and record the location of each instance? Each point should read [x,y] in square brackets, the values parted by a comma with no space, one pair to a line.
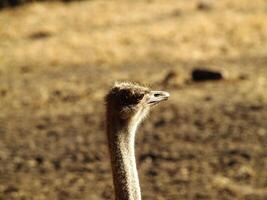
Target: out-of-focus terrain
[208,142]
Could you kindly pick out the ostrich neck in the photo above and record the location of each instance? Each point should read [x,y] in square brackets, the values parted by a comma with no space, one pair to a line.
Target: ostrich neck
[121,140]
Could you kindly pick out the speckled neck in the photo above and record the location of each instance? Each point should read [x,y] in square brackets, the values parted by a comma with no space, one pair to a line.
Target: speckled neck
[121,139]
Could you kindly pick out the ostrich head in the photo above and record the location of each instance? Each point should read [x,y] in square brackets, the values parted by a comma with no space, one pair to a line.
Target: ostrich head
[126,105]
[129,103]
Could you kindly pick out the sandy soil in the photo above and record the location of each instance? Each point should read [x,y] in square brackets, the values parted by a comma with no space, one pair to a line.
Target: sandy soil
[208,142]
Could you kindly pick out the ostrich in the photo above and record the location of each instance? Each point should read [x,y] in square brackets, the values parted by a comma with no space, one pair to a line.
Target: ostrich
[126,106]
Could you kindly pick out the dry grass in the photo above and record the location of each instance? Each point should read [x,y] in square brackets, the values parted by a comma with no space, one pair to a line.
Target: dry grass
[77,32]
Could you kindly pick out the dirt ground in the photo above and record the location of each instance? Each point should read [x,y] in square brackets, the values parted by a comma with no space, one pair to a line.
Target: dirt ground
[207,142]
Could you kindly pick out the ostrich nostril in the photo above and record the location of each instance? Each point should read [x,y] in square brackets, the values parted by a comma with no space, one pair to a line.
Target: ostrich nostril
[157,94]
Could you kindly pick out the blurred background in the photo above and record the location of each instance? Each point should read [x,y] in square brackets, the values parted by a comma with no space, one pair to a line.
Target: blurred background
[58,59]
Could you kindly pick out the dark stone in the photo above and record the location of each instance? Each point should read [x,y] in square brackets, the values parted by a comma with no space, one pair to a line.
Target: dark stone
[206,75]
[11,3]
[10,189]
[152,172]
[204,5]
[39,159]
[40,35]
[160,123]
[3,92]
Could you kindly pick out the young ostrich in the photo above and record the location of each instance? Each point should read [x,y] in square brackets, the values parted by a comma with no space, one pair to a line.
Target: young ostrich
[126,106]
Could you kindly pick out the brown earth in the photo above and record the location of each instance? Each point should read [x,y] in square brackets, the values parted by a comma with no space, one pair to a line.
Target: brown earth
[208,142]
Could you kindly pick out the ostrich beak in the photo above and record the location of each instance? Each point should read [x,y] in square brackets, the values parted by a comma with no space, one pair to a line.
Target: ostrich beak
[157,96]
